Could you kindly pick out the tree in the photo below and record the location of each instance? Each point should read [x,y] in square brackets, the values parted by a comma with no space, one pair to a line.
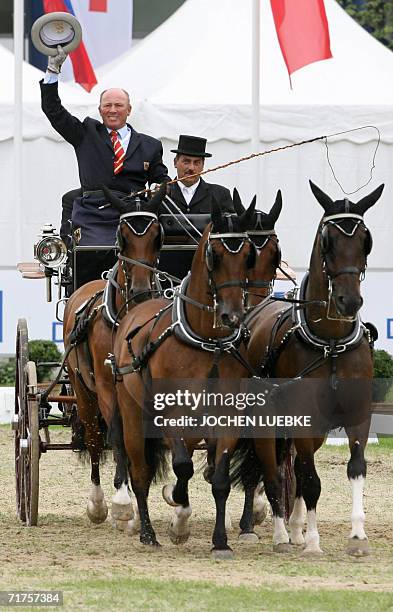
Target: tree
[376,16]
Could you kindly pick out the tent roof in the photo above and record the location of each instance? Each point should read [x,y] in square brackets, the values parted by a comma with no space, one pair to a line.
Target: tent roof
[71,93]
[202,55]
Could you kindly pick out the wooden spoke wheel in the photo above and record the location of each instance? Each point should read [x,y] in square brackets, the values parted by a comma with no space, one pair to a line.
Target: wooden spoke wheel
[32,454]
[19,420]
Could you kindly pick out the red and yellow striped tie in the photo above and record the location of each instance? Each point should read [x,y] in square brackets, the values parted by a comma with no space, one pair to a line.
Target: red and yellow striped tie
[119,153]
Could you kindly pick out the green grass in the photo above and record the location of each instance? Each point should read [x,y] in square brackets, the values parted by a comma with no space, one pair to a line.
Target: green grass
[130,593]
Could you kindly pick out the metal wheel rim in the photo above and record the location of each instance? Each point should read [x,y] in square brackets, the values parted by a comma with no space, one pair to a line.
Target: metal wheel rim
[22,356]
[31,463]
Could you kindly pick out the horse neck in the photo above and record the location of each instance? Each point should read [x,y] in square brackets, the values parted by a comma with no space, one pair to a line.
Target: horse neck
[119,300]
[318,289]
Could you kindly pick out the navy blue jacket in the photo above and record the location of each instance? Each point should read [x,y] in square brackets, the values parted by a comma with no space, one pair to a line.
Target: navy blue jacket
[91,141]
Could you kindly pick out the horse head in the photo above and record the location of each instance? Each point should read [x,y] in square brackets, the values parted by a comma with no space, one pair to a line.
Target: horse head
[139,239]
[227,256]
[260,229]
[341,247]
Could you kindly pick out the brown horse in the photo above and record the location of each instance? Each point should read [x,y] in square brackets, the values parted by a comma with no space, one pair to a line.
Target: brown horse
[324,341]
[188,339]
[261,230]
[90,320]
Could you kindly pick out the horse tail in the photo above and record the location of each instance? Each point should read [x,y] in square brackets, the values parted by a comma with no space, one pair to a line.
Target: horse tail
[245,469]
[156,456]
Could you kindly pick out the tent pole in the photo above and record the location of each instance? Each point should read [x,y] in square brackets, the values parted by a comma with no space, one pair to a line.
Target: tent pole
[18,121]
[255,78]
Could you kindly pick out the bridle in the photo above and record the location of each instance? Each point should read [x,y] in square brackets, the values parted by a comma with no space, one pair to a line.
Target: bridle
[336,220]
[125,262]
[211,262]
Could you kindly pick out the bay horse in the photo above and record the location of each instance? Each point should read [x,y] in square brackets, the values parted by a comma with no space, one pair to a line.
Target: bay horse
[324,341]
[90,320]
[261,230]
[186,339]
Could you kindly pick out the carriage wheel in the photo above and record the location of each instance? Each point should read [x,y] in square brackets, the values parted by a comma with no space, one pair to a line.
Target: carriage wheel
[32,456]
[22,357]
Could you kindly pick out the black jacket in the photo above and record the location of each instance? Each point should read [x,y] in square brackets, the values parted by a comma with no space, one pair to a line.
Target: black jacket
[179,263]
[91,141]
[202,199]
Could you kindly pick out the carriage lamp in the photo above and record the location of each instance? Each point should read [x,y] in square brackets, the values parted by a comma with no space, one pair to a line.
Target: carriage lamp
[50,251]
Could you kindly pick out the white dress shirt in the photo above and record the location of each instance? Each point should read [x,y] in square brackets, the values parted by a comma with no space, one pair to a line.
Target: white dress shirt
[124,135]
[188,192]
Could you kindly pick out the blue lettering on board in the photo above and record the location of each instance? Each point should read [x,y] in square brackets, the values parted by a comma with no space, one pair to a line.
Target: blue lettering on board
[389,329]
[57,332]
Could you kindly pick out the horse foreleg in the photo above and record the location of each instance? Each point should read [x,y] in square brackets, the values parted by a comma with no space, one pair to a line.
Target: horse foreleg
[121,511]
[356,471]
[221,487]
[311,489]
[177,495]
[97,510]
[266,452]
[297,518]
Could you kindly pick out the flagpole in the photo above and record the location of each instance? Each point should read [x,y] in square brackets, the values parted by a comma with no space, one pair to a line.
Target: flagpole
[255,77]
[18,121]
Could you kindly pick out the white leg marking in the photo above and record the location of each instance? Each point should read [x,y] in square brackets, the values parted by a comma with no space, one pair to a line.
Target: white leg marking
[312,535]
[228,520]
[97,510]
[121,506]
[180,520]
[259,506]
[296,521]
[280,535]
[134,525]
[357,516]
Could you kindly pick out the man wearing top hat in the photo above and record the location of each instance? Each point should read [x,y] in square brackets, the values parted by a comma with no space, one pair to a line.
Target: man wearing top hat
[192,195]
[110,153]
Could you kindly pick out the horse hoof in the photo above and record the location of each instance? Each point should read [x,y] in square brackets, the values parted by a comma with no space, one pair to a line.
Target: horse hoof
[260,515]
[208,473]
[152,545]
[222,555]
[119,525]
[176,538]
[122,512]
[167,491]
[132,528]
[248,538]
[358,548]
[296,541]
[283,548]
[97,513]
[309,551]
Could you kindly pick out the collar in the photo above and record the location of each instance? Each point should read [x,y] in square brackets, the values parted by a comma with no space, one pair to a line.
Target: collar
[122,132]
[192,189]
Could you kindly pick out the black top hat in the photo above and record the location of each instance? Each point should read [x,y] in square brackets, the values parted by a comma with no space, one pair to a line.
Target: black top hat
[191,145]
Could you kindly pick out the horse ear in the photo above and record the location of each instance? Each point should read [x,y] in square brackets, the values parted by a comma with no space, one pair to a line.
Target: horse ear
[322,197]
[114,200]
[237,203]
[246,219]
[155,202]
[216,213]
[369,200]
[275,210]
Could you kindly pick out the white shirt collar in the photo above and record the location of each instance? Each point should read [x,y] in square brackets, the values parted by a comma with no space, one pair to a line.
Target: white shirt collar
[122,132]
[189,190]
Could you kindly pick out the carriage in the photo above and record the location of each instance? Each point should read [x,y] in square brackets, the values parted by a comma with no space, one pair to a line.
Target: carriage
[236,252]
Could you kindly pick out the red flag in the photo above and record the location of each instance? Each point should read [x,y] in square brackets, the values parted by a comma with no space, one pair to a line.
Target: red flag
[302,30]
